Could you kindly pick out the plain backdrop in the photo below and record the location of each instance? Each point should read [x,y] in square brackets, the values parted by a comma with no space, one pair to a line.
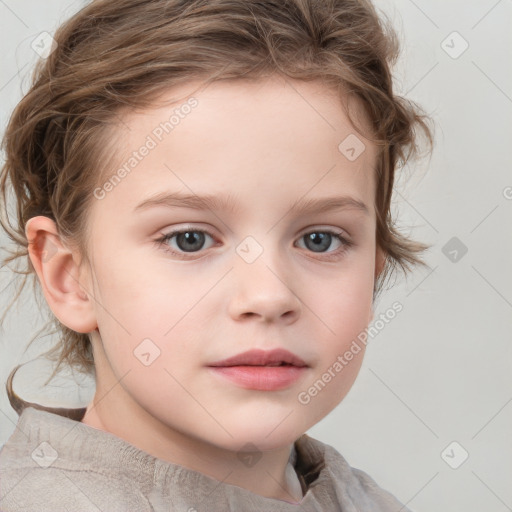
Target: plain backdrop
[430,415]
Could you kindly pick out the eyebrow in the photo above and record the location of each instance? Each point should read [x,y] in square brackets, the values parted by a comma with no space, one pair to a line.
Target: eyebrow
[227,203]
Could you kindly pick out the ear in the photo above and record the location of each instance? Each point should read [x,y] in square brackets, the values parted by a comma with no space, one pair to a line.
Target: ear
[58,272]
[380,262]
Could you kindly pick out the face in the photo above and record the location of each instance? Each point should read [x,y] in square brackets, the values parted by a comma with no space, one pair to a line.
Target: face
[261,266]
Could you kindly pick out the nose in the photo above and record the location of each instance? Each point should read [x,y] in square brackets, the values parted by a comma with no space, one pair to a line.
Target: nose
[262,290]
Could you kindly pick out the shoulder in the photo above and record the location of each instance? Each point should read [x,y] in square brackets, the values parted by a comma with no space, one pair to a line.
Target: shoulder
[380,499]
[36,476]
[352,485]
[26,487]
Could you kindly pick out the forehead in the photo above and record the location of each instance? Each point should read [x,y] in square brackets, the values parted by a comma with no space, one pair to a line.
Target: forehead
[317,108]
[279,136]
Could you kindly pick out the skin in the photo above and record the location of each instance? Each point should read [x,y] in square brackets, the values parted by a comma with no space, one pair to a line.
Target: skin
[267,143]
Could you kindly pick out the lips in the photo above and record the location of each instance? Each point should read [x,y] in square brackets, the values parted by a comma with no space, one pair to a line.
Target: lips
[258,357]
[261,370]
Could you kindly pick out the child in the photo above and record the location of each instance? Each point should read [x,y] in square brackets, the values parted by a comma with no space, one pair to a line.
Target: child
[256,132]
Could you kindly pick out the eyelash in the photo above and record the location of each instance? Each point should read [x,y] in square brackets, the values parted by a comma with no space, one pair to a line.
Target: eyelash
[333,255]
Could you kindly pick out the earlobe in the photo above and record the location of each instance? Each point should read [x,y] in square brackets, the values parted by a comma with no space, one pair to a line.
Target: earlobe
[59,275]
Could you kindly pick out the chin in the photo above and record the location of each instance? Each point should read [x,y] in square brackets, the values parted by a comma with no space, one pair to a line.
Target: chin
[265,436]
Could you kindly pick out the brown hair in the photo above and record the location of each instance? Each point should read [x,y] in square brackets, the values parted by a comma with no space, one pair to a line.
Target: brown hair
[116,55]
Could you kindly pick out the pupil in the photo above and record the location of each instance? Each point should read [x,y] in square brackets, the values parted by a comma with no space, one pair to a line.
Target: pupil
[319,240]
[194,240]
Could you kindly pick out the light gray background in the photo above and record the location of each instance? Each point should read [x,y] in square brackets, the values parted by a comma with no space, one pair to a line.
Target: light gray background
[441,370]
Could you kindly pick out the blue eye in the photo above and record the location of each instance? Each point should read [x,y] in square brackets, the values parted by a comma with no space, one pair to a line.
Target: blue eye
[187,241]
[191,241]
[318,240]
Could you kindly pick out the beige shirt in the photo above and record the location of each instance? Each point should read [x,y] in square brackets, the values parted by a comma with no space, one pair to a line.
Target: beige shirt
[54,463]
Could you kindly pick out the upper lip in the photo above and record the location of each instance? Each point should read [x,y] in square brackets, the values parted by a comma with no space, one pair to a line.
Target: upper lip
[258,357]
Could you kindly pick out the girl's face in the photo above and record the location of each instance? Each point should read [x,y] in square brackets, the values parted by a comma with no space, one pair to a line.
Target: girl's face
[275,259]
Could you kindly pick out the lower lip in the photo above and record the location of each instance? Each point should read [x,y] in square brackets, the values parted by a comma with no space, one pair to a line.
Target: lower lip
[263,378]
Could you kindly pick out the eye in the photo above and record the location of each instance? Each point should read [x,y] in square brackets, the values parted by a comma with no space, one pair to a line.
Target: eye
[318,241]
[187,240]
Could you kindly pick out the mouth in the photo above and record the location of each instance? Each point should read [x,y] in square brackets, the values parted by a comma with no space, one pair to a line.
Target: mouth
[261,378]
[269,365]
[258,357]
[261,370]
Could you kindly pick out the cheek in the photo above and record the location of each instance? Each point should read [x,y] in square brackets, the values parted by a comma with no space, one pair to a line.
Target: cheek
[134,292]
[340,350]
[343,308]
[343,302]
[142,310]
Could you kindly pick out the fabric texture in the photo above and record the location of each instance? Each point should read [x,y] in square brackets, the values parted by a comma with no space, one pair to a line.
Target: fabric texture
[54,463]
